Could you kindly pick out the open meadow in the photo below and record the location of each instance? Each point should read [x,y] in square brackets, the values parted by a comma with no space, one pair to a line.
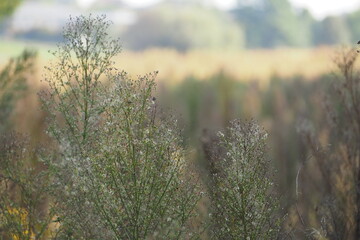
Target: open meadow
[173,66]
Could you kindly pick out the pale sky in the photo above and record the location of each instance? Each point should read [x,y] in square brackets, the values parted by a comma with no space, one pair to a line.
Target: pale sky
[319,8]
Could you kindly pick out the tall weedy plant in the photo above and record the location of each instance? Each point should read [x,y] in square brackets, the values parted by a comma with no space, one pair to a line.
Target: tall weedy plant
[12,85]
[337,160]
[121,171]
[243,205]
[23,191]
[23,184]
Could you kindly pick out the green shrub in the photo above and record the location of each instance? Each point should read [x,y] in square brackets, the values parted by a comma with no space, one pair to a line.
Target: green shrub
[243,205]
[23,191]
[121,171]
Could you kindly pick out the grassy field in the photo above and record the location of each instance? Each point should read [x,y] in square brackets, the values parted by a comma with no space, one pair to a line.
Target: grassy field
[10,48]
[245,65]
[173,66]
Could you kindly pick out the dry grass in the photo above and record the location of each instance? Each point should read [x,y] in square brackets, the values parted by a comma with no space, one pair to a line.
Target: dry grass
[243,65]
[173,66]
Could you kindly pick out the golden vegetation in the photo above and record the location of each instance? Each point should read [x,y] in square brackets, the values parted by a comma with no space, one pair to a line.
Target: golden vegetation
[174,66]
[244,65]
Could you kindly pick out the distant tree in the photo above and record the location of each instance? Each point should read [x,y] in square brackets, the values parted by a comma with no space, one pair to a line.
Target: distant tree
[189,26]
[163,35]
[273,23]
[332,30]
[352,21]
[255,27]
[7,7]
[306,22]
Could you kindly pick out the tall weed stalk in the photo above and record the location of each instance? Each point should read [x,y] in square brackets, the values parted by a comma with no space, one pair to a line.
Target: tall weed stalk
[337,204]
[243,203]
[121,172]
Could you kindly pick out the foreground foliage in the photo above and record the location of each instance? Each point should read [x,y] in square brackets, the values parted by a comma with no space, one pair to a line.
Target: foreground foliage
[116,167]
[23,191]
[121,171]
[243,206]
[337,203]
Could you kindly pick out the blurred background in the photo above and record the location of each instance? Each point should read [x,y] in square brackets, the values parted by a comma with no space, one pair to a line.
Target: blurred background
[175,36]
[269,60]
[192,24]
